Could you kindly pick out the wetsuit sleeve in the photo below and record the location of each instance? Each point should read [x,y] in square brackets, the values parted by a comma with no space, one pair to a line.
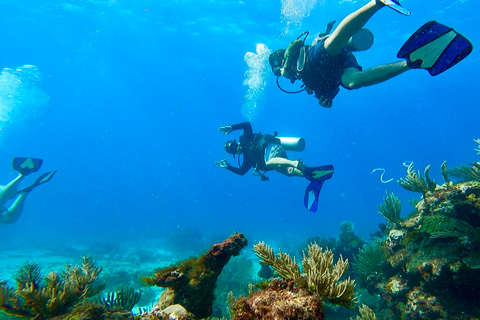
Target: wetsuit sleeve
[240,171]
[246,126]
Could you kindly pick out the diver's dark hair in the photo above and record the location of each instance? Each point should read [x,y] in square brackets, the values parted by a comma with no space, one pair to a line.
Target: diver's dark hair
[231,147]
[276,60]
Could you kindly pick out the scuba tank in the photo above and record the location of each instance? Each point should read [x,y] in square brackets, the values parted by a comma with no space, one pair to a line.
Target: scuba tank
[292,144]
[360,41]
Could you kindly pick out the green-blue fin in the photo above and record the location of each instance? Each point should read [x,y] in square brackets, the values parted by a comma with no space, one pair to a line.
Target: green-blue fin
[435,47]
[40,180]
[26,165]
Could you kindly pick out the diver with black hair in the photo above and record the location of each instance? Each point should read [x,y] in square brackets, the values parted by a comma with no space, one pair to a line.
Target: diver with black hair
[265,152]
[24,166]
[329,62]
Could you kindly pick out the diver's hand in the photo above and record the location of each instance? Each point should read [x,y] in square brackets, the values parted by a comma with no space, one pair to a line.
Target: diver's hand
[221,164]
[226,129]
[325,102]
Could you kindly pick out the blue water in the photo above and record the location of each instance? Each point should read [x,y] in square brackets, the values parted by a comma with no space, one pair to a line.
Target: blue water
[125,98]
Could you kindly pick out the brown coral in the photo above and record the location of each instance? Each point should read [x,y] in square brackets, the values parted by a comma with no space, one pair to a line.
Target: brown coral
[281,300]
[191,283]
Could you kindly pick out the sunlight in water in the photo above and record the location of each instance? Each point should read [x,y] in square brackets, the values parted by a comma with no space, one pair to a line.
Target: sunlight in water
[294,11]
[20,98]
[256,79]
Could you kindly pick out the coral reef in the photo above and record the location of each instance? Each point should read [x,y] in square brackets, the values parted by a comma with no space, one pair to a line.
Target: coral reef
[191,283]
[431,264]
[52,295]
[281,299]
[300,292]
[416,183]
[365,313]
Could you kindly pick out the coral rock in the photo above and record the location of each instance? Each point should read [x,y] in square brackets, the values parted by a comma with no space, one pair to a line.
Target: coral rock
[281,300]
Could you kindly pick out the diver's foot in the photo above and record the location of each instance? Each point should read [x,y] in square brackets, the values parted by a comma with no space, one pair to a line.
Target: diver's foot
[395,5]
[300,166]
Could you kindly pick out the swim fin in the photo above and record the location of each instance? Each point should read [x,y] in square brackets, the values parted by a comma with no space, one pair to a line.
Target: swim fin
[395,5]
[41,180]
[26,165]
[318,173]
[311,195]
[435,47]
[317,176]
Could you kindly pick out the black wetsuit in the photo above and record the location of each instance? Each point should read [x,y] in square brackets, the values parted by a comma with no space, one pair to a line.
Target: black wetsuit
[323,72]
[253,146]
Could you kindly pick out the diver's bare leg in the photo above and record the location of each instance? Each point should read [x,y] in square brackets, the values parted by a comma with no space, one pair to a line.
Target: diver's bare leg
[10,190]
[354,79]
[349,26]
[13,213]
[278,162]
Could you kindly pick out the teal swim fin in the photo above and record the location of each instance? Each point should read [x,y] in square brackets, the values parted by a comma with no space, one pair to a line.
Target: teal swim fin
[41,180]
[26,165]
[435,47]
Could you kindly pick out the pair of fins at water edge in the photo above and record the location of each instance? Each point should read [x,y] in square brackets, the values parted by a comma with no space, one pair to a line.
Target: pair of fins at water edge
[434,46]
[25,166]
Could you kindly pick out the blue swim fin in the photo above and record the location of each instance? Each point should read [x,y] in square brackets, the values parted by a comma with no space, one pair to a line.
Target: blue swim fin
[318,173]
[40,180]
[26,165]
[311,195]
[317,176]
[435,47]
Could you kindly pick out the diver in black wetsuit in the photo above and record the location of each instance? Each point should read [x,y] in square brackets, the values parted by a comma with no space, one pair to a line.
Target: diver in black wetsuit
[328,64]
[263,152]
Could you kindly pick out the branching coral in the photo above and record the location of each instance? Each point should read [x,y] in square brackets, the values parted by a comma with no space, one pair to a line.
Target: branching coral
[390,208]
[365,313]
[282,263]
[371,259]
[444,172]
[416,183]
[52,296]
[320,274]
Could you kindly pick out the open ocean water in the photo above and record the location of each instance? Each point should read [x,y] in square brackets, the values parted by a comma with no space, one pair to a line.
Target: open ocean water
[124,98]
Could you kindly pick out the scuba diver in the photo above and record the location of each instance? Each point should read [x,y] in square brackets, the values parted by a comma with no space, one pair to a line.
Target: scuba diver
[24,166]
[264,152]
[329,63]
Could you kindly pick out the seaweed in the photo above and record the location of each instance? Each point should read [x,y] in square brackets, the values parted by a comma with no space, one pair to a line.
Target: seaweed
[446,227]
[121,299]
[466,172]
[371,259]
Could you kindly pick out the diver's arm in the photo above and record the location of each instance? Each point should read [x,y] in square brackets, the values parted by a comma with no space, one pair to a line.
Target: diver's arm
[240,171]
[246,126]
